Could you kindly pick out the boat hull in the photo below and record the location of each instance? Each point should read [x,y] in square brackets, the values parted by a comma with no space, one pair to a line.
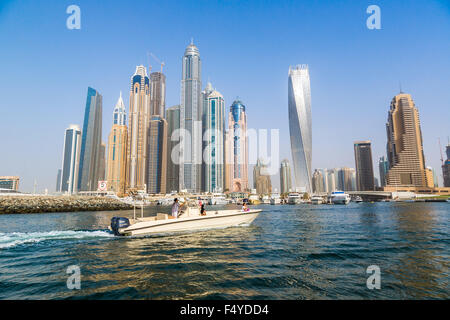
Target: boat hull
[188,224]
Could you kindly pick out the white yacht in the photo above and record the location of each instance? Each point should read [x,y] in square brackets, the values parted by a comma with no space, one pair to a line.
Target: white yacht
[189,220]
[275,198]
[340,197]
[265,199]
[294,198]
[165,201]
[217,199]
[316,200]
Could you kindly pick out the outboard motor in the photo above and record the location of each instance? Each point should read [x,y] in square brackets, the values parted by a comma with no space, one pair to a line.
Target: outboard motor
[119,222]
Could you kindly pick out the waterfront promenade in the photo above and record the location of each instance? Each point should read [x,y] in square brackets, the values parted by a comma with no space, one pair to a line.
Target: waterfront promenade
[41,204]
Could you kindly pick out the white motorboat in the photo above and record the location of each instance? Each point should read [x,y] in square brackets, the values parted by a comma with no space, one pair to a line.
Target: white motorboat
[217,199]
[358,199]
[294,198]
[316,200]
[265,199]
[190,220]
[275,198]
[340,197]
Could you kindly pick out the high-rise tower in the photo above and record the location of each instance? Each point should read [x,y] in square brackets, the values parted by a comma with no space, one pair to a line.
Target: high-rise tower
[157,94]
[446,168]
[117,150]
[70,163]
[285,176]
[91,141]
[364,166]
[157,153]
[318,181]
[261,178]
[191,116]
[173,148]
[213,140]
[383,167]
[236,149]
[138,122]
[404,146]
[299,100]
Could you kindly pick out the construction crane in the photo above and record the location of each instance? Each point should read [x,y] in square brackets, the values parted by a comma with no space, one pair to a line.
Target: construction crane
[159,61]
[440,149]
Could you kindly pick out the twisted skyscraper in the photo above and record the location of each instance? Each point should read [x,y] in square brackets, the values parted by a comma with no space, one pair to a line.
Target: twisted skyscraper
[300,126]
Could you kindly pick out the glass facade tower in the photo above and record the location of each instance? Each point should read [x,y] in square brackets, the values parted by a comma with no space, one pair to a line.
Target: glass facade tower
[91,141]
[299,103]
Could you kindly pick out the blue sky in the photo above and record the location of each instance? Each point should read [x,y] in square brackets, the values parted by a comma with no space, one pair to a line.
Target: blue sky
[246,49]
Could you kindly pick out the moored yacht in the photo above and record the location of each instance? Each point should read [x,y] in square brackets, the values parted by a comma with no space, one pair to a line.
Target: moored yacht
[265,199]
[254,199]
[340,197]
[316,200]
[294,198]
[275,198]
[217,199]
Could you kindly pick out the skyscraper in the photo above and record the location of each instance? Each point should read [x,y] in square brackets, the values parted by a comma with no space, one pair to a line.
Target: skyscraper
[261,178]
[157,153]
[285,176]
[91,141]
[236,149]
[430,177]
[157,94]
[346,179]
[317,181]
[102,165]
[58,181]
[173,148]
[404,145]
[138,122]
[300,125]
[191,116]
[213,140]
[117,150]
[331,181]
[383,167]
[446,168]
[70,160]
[364,166]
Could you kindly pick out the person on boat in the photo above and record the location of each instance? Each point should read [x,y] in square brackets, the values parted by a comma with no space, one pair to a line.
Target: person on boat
[244,207]
[176,208]
[202,210]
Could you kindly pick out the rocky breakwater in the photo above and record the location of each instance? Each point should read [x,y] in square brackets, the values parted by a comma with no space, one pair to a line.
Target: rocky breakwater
[38,204]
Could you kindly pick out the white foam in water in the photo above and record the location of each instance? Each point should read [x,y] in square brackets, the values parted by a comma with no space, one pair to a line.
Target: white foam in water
[8,240]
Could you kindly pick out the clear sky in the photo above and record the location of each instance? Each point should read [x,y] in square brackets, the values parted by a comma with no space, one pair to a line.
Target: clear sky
[246,48]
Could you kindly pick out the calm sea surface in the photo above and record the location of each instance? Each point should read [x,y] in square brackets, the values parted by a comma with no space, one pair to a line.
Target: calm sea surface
[289,252]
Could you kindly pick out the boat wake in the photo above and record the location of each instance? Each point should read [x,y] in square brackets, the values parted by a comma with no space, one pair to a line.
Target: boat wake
[9,240]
